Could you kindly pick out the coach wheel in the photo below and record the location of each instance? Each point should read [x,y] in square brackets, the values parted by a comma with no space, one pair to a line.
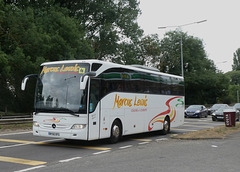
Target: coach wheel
[166,126]
[116,132]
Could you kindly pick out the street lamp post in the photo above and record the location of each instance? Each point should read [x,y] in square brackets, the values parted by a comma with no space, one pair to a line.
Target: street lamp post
[179,27]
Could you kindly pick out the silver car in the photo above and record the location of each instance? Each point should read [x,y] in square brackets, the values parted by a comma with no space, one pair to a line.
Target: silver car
[218,115]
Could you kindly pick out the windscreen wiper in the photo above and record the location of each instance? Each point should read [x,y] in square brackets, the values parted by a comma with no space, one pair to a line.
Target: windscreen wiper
[68,111]
[59,110]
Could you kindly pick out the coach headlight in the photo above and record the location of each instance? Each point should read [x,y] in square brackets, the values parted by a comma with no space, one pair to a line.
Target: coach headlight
[35,124]
[78,126]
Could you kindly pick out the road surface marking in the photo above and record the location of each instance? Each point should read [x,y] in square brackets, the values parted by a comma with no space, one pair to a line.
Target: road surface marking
[70,159]
[17,141]
[207,123]
[143,143]
[51,144]
[182,129]
[198,126]
[8,134]
[97,153]
[21,161]
[143,140]
[162,139]
[32,168]
[214,146]
[124,147]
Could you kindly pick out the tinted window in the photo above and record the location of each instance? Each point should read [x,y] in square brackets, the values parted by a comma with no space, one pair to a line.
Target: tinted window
[119,79]
[96,66]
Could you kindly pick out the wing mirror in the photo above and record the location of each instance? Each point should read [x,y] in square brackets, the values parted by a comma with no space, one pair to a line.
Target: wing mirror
[25,79]
[84,79]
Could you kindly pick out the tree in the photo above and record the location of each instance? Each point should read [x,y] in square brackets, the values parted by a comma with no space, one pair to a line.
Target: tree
[194,55]
[236,60]
[203,83]
[106,23]
[146,52]
[150,51]
[234,87]
[32,32]
[234,77]
[29,37]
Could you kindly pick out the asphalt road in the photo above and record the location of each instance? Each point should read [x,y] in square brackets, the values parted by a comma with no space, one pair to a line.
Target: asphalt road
[153,152]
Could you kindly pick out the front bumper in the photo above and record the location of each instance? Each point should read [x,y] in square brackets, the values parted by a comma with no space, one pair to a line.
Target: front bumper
[192,115]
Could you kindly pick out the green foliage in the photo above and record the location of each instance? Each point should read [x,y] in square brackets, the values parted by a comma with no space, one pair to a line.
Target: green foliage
[106,23]
[234,76]
[30,36]
[32,32]
[236,60]
[234,91]
[203,84]
[194,56]
[150,51]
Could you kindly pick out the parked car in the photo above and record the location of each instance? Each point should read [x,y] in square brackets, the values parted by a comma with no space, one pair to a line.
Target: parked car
[197,111]
[237,106]
[218,115]
[216,107]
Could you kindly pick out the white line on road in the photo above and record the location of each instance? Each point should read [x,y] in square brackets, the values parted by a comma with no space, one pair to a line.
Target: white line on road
[124,147]
[143,143]
[96,153]
[32,168]
[10,146]
[70,159]
[181,129]
[214,146]
[16,133]
[30,142]
[162,139]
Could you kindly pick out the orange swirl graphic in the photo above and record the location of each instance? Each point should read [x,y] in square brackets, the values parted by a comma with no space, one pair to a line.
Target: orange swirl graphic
[55,120]
[160,117]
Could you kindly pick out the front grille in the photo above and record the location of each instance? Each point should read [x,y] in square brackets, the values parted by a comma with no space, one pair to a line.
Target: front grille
[58,126]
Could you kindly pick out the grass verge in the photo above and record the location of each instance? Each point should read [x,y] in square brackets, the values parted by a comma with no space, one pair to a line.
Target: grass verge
[15,127]
[211,133]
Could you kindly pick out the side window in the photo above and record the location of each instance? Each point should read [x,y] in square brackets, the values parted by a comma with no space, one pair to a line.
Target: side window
[177,86]
[96,66]
[112,80]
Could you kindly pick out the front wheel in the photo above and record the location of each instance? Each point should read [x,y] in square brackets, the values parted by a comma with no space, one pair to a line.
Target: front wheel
[214,119]
[166,126]
[116,132]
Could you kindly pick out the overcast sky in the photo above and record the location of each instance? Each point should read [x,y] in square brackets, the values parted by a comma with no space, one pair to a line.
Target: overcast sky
[220,33]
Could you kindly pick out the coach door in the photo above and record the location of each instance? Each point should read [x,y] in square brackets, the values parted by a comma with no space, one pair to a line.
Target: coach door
[94,109]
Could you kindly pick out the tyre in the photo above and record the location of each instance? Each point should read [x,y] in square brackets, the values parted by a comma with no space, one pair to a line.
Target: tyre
[214,119]
[116,131]
[166,126]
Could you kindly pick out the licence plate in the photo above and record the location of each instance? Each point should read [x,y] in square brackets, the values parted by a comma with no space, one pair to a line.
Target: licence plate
[53,134]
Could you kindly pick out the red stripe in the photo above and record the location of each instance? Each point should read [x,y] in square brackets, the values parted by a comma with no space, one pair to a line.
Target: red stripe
[163,113]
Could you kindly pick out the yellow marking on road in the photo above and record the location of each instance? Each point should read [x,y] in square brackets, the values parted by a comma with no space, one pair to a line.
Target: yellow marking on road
[50,144]
[143,140]
[72,146]
[16,141]
[21,161]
